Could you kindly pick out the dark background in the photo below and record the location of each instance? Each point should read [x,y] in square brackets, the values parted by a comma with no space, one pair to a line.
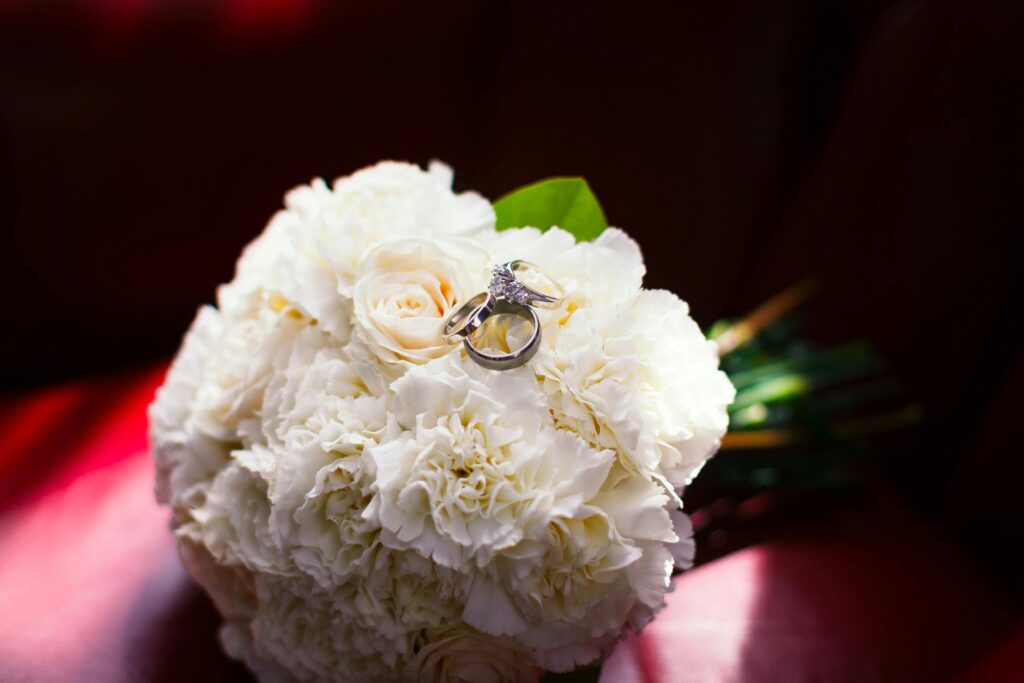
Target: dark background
[876,146]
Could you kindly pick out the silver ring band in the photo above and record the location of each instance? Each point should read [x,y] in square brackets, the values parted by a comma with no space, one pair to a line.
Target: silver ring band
[513,359]
[505,284]
[468,318]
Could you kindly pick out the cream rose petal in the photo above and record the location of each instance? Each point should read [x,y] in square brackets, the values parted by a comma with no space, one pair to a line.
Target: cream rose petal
[405,290]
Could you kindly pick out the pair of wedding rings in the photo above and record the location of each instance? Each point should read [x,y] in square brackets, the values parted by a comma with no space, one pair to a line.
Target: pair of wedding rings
[507,294]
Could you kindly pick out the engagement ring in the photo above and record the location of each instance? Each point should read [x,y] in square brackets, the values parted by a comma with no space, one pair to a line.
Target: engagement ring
[506,284]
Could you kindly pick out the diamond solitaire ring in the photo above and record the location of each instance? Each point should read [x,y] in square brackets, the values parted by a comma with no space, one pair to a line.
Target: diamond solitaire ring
[506,284]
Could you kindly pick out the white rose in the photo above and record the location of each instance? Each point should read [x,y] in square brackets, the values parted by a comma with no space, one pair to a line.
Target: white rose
[407,288]
[310,251]
[461,655]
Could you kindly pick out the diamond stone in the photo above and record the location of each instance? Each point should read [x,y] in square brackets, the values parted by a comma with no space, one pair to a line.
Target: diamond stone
[505,286]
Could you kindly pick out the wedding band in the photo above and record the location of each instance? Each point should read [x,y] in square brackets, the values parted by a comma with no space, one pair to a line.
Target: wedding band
[468,318]
[513,359]
[506,285]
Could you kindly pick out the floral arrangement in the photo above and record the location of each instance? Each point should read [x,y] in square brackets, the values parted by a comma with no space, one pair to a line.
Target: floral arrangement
[362,501]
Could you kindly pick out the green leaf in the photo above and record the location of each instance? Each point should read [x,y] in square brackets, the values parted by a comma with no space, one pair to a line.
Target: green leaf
[565,202]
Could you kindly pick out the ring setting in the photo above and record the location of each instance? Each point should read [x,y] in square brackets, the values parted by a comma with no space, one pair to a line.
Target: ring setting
[505,284]
[506,294]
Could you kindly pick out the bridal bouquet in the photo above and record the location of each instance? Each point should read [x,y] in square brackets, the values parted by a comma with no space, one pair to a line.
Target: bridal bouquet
[364,499]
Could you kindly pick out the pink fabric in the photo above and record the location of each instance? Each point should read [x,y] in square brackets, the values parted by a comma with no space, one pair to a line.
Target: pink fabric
[91,588]
[896,607]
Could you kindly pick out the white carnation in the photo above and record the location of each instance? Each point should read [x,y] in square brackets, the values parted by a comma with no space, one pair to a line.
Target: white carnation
[478,465]
[363,502]
[638,376]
